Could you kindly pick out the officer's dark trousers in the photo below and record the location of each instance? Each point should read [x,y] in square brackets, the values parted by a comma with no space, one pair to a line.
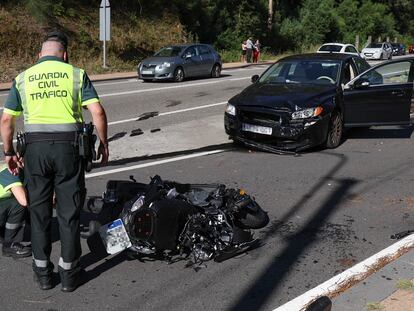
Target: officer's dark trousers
[55,166]
[12,217]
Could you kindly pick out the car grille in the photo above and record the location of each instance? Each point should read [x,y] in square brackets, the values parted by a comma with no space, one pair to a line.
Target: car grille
[259,118]
[148,66]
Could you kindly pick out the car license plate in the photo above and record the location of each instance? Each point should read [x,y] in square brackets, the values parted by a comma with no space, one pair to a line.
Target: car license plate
[115,237]
[256,129]
[146,72]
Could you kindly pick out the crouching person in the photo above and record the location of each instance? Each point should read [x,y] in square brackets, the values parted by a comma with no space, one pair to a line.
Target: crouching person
[13,204]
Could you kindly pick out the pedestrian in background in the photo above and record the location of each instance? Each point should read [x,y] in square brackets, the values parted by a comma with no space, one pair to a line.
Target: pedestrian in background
[256,52]
[243,52]
[13,213]
[51,95]
[249,49]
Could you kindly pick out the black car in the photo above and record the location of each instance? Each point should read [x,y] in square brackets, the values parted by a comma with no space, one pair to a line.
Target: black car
[398,49]
[306,100]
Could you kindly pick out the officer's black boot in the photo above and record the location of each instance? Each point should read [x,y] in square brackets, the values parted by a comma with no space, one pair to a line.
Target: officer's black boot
[43,276]
[69,278]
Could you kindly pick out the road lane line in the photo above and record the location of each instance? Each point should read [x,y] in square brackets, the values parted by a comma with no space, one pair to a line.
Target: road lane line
[161,114]
[170,87]
[355,274]
[136,80]
[169,112]
[98,84]
[138,166]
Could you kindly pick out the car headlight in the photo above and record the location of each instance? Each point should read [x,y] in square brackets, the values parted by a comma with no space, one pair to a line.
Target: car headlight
[307,113]
[164,65]
[230,109]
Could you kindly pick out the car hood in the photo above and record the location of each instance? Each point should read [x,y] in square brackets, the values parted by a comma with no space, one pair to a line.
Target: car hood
[371,50]
[158,60]
[284,96]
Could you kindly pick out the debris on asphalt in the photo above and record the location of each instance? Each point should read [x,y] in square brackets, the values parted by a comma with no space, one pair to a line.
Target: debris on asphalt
[401,235]
[173,103]
[147,115]
[136,132]
[117,136]
[155,130]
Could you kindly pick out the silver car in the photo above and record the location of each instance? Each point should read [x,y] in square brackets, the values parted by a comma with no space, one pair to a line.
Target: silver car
[377,51]
[177,62]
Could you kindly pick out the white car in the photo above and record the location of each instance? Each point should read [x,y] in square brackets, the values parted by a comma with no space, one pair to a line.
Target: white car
[377,50]
[338,48]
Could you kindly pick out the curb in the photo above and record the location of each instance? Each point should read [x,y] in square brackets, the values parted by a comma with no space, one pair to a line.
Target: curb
[130,75]
[350,277]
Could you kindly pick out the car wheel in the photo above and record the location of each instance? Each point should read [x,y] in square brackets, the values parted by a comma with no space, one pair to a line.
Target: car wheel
[335,131]
[216,71]
[390,57]
[178,74]
[382,56]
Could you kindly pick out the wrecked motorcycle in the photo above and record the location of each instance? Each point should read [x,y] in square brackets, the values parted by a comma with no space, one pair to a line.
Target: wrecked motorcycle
[176,221]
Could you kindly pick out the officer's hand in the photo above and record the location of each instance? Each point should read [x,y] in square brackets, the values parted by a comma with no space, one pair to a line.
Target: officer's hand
[103,153]
[13,164]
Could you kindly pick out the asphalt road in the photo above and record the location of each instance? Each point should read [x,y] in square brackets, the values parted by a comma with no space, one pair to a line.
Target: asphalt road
[328,208]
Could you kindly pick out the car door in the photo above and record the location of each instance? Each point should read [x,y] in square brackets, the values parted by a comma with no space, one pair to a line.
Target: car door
[380,96]
[207,59]
[192,62]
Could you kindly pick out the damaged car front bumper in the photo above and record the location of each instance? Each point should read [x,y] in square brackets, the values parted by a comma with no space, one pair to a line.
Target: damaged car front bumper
[276,132]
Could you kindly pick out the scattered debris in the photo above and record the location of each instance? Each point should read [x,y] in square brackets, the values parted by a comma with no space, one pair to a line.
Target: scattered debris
[147,115]
[155,130]
[117,136]
[136,132]
[172,103]
[401,235]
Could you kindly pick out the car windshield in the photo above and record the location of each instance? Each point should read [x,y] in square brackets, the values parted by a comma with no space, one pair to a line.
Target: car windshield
[302,71]
[330,48]
[374,45]
[169,51]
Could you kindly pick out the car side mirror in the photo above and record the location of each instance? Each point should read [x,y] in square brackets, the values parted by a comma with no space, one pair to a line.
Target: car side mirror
[361,83]
[255,78]
[187,56]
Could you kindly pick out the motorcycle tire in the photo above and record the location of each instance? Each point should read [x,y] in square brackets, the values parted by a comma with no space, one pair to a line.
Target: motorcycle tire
[252,220]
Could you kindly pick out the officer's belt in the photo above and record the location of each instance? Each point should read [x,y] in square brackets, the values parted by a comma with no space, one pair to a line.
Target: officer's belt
[32,137]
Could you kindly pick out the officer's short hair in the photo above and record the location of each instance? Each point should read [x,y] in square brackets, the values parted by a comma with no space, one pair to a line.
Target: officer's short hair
[57,36]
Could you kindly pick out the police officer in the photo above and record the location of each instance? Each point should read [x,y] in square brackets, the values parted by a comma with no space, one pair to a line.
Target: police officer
[13,203]
[51,95]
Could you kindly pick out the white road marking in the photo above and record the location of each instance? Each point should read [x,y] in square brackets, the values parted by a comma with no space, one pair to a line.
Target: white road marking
[356,273]
[169,112]
[97,84]
[161,114]
[138,166]
[170,87]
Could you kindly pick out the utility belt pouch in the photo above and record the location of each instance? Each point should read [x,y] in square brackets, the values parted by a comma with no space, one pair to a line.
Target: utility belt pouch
[21,143]
[87,146]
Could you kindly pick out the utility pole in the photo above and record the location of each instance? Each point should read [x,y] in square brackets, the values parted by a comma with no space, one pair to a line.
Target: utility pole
[270,16]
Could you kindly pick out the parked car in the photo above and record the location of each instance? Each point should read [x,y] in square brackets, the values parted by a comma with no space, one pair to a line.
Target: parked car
[398,49]
[177,62]
[306,100]
[377,51]
[411,49]
[338,48]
